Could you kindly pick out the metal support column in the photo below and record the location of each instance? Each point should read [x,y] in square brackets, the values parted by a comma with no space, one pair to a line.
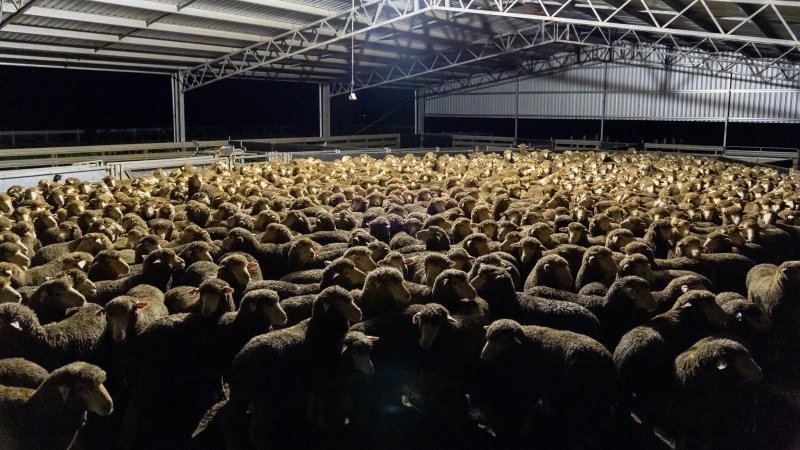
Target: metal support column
[324,109]
[419,112]
[178,112]
[516,114]
[727,112]
[605,96]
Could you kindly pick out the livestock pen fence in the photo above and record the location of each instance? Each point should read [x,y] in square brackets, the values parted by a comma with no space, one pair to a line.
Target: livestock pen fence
[26,166]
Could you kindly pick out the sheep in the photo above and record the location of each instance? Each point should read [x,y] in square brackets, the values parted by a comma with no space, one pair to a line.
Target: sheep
[271,258]
[91,243]
[75,338]
[341,272]
[455,342]
[304,353]
[449,288]
[644,354]
[14,253]
[714,382]
[108,265]
[748,321]
[276,233]
[127,315]
[499,259]
[597,265]
[494,285]
[35,276]
[573,374]
[211,298]
[157,270]
[775,289]
[425,268]
[51,415]
[667,297]
[360,255]
[52,299]
[551,271]
[196,273]
[19,372]
[383,291]
[627,303]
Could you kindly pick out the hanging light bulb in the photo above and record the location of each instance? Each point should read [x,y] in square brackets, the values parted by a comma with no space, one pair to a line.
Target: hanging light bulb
[352,96]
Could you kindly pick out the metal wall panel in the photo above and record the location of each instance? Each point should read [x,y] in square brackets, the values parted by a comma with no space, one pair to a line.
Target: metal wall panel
[561,105]
[634,92]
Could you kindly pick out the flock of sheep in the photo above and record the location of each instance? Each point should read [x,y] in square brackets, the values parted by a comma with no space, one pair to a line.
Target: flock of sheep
[482,301]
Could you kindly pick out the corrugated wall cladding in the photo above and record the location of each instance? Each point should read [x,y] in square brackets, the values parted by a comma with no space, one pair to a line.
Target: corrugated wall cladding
[633,92]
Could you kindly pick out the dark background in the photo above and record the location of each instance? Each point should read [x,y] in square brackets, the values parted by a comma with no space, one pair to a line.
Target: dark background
[131,107]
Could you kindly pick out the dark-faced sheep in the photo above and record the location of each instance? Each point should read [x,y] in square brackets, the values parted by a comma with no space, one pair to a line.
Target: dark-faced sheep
[714,392]
[551,271]
[644,355]
[50,416]
[304,353]
[573,374]
[775,288]
[494,285]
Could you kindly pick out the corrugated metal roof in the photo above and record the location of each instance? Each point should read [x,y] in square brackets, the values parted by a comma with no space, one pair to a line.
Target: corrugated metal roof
[207,29]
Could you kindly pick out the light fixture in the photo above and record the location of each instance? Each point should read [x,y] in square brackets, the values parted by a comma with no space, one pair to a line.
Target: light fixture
[352,96]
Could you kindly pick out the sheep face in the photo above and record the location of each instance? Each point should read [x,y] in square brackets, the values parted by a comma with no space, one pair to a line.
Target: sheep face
[93,243]
[790,272]
[267,303]
[121,315]
[555,269]
[689,247]
[276,233]
[501,337]
[238,267]
[456,281]
[12,253]
[9,294]
[115,262]
[430,321]
[58,292]
[477,245]
[212,300]
[362,260]
[357,347]
[93,397]
[637,291]
[636,265]
[195,253]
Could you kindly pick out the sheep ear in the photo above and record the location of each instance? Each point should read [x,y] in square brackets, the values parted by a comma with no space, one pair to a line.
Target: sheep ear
[100,312]
[193,292]
[409,261]
[516,340]
[444,282]
[486,327]
[686,305]
[327,263]
[547,267]
[685,288]
[64,391]
[739,316]
[15,324]
[142,305]
[416,319]
[451,319]
[81,264]
[373,338]
[722,364]
[163,242]
[228,290]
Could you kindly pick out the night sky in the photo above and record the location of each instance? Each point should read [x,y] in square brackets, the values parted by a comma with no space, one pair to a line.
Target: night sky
[52,99]
[56,99]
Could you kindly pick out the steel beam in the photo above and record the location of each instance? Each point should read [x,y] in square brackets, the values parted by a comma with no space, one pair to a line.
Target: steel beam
[324,109]
[178,110]
[364,17]
[735,65]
